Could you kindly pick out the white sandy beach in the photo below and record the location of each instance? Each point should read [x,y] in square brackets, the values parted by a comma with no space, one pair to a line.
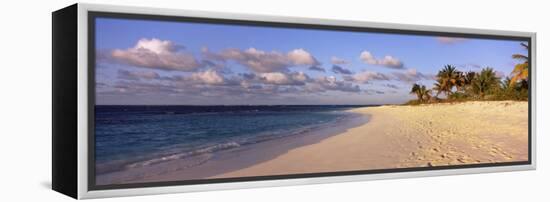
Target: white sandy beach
[412,136]
[394,137]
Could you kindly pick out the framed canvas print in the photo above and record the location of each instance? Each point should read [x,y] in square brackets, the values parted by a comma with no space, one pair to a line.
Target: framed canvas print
[149,101]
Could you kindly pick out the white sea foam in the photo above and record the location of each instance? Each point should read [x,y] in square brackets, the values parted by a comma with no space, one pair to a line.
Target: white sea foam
[176,156]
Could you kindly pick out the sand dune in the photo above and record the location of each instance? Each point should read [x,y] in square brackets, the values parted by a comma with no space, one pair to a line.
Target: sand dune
[412,136]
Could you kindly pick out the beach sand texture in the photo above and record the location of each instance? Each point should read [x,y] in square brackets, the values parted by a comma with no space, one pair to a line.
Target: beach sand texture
[412,136]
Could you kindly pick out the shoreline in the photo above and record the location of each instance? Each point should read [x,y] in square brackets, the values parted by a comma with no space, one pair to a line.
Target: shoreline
[395,136]
[232,159]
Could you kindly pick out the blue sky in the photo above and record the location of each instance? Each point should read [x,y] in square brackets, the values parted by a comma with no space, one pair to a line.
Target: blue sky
[157,62]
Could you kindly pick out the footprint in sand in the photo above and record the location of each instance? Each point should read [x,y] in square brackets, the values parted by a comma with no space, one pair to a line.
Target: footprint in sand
[497,151]
[463,159]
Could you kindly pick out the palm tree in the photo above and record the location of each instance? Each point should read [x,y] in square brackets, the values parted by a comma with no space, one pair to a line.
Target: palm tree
[468,80]
[416,90]
[425,93]
[438,88]
[469,77]
[485,82]
[460,81]
[505,84]
[448,78]
[521,70]
[421,92]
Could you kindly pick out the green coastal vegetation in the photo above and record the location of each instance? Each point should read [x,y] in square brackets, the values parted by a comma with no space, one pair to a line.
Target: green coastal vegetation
[453,85]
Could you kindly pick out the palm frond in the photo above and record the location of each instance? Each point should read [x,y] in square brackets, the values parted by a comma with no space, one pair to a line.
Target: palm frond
[526,46]
[520,57]
[520,72]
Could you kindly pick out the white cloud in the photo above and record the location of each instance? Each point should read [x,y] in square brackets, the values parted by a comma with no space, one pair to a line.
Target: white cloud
[301,57]
[338,61]
[279,78]
[208,77]
[332,83]
[265,62]
[157,54]
[411,76]
[387,61]
[450,40]
[300,76]
[275,78]
[156,46]
[128,75]
[366,76]
[367,57]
